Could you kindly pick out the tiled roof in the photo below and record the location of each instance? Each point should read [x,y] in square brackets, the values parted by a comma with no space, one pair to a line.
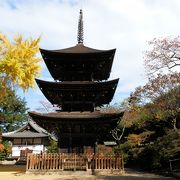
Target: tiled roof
[23,132]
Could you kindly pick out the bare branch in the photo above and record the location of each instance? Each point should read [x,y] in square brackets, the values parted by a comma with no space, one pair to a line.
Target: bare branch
[163,56]
[117,133]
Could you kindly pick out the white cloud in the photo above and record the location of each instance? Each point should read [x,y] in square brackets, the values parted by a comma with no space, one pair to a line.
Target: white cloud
[125,25]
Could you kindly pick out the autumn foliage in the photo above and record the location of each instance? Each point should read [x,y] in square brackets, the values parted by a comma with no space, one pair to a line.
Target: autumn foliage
[18,62]
[2,148]
[152,117]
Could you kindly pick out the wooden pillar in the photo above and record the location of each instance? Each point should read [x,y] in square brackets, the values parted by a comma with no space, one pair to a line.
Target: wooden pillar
[59,146]
[70,140]
[59,138]
[95,147]
[83,138]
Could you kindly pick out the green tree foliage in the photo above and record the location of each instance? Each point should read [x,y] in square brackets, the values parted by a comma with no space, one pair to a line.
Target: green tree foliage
[12,111]
[158,153]
[53,147]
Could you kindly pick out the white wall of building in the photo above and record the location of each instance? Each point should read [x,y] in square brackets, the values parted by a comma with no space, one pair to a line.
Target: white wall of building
[37,149]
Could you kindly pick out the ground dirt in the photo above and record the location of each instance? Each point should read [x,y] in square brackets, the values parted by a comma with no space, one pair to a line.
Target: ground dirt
[128,175]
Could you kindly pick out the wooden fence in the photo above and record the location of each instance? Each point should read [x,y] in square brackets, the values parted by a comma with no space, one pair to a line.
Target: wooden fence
[56,162]
[106,162]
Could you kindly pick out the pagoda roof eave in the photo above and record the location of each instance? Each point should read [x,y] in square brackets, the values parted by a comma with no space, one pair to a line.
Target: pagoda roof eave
[83,63]
[75,115]
[94,93]
[78,49]
[76,83]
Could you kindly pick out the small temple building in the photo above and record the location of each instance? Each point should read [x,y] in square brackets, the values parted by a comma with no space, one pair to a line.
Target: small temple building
[79,89]
[30,138]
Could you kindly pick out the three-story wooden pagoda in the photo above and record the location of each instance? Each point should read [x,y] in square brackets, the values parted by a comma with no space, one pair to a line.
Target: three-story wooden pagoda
[80,86]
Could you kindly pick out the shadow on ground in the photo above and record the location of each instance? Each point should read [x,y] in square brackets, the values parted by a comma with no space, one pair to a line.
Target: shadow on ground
[133,178]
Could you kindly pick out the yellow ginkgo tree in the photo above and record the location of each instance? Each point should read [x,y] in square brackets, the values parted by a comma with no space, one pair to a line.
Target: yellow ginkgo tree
[19,64]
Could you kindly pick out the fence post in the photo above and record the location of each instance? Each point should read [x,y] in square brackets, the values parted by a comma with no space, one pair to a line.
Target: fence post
[122,160]
[75,162]
[27,164]
[63,162]
[86,163]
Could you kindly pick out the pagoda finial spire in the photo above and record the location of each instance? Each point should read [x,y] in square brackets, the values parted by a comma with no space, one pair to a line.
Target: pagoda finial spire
[80,34]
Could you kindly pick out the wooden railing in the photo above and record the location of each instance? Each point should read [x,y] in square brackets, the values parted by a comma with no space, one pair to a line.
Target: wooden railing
[44,162]
[106,162]
[56,162]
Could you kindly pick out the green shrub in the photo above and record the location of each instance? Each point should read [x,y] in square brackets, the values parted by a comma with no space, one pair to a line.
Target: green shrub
[53,147]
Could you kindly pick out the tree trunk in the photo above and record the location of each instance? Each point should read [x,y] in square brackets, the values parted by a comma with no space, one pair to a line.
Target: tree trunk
[174,123]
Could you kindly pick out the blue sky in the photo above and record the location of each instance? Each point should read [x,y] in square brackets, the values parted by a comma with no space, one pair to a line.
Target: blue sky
[126,25]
